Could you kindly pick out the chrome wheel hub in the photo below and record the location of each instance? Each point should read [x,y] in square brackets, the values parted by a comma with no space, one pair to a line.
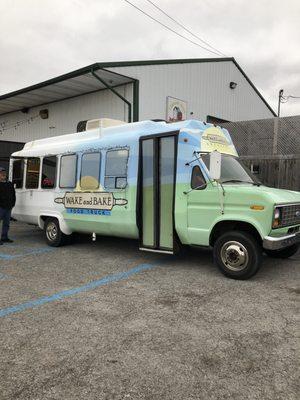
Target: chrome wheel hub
[51,231]
[234,255]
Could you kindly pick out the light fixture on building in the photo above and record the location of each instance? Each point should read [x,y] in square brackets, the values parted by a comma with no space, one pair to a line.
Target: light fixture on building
[44,114]
[232,85]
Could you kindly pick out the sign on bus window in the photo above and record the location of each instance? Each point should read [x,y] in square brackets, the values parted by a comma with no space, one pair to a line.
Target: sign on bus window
[49,172]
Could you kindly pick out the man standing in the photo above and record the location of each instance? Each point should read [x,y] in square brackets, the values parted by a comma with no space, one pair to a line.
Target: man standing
[7,202]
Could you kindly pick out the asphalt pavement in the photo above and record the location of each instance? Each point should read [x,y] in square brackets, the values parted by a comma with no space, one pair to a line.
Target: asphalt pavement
[102,320]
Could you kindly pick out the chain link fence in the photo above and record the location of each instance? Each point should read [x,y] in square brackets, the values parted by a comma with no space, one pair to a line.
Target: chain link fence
[266,137]
[271,148]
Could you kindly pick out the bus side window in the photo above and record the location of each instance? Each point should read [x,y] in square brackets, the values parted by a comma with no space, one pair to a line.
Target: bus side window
[197,178]
[32,173]
[49,172]
[18,173]
[90,171]
[116,169]
[68,166]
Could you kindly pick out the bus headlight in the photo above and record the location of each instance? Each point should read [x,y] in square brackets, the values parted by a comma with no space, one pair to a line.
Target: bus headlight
[276,218]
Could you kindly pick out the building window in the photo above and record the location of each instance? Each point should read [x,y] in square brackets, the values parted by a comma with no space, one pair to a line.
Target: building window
[68,166]
[90,171]
[32,173]
[49,172]
[197,181]
[116,169]
[18,173]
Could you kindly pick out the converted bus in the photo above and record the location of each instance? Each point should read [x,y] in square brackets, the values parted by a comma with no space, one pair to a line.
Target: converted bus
[168,185]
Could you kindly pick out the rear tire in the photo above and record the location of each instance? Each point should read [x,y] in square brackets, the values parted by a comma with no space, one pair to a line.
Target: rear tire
[283,253]
[238,255]
[54,236]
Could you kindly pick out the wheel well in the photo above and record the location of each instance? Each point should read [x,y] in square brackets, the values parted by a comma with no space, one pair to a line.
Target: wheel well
[45,217]
[225,226]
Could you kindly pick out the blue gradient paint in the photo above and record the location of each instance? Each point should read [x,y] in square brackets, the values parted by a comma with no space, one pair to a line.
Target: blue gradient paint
[71,292]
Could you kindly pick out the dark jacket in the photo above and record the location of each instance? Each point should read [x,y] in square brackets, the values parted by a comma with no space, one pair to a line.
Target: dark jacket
[7,195]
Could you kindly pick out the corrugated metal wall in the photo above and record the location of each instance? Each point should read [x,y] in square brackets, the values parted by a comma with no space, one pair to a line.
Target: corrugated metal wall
[205,86]
[64,115]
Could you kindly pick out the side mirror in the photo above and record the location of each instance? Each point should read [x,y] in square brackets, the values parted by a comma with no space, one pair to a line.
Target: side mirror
[215,165]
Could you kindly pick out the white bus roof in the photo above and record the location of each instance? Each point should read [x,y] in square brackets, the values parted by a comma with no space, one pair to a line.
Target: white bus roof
[108,137]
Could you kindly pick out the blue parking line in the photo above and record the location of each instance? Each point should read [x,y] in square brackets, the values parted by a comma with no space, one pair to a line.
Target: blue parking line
[67,293]
[33,251]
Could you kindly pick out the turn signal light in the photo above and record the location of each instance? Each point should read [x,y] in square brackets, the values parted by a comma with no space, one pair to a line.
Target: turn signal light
[257,207]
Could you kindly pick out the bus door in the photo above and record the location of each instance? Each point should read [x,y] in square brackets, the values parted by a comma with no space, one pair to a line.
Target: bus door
[157,189]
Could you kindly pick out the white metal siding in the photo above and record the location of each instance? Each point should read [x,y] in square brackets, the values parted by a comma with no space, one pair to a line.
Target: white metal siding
[64,115]
[205,86]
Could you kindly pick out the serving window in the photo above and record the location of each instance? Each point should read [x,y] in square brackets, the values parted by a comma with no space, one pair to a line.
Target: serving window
[18,173]
[49,172]
[116,169]
[68,166]
[32,173]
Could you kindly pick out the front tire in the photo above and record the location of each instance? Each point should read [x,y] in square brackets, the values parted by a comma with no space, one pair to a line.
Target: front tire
[283,253]
[54,236]
[238,255]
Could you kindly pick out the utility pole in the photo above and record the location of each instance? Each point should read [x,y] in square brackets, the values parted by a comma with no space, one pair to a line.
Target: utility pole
[276,123]
[280,95]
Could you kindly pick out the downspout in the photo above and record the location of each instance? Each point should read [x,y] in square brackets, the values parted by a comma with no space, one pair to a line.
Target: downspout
[136,100]
[115,92]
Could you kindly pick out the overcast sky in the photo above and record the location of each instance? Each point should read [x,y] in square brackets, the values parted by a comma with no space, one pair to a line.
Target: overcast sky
[41,39]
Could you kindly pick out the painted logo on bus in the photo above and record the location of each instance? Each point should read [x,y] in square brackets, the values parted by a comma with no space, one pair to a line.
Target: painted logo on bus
[100,203]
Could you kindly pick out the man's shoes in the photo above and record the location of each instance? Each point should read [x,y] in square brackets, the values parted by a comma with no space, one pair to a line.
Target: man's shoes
[7,240]
[1,242]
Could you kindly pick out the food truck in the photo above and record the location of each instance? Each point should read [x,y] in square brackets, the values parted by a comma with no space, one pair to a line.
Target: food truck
[170,185]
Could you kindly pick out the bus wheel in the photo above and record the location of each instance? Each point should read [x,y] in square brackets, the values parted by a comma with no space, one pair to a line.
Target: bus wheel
[237,255]
[53,234]
[283,253]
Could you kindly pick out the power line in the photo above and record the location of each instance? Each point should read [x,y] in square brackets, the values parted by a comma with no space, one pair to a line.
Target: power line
[170,29]
[183,27]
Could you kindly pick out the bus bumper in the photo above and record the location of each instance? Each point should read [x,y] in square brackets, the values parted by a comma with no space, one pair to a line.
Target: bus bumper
[280,242]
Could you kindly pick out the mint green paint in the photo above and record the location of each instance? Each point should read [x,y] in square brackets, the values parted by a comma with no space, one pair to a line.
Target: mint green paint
[148,216]
[166,216]
[121,221]
[199,211]
[196,213]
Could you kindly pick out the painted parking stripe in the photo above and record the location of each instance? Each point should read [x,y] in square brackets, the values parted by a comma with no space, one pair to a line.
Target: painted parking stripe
[33,251]
[71,292]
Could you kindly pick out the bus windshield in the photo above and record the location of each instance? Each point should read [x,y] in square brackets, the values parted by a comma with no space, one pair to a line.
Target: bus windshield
[233,171]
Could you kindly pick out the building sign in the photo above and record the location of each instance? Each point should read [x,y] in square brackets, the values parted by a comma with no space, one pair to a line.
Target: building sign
[92,203]
[176,109]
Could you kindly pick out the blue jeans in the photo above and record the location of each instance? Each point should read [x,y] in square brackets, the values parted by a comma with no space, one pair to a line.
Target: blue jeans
[5,214]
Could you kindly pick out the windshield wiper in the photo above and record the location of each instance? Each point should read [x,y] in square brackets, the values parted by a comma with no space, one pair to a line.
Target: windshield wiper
[238,180]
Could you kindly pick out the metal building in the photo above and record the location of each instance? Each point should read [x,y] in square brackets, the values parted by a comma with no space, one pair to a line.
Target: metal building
[213,89]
